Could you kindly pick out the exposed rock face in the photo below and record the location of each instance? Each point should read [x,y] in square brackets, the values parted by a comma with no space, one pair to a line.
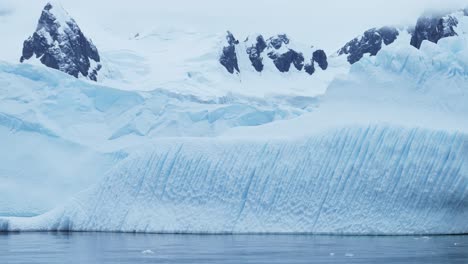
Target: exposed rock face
[283,61]
[310,68]
[278,41]
[433,28]
[283,56]
[320,57]
[275,48]
[59,43]
[229,57]
[369,43]
[255,53]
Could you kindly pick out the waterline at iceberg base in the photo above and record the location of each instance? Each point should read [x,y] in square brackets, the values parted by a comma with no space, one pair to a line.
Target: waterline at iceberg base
[370,180]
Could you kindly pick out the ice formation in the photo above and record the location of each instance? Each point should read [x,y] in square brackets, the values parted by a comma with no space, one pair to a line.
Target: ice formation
[278,49]
[80,129]
[383,151]
[363,180]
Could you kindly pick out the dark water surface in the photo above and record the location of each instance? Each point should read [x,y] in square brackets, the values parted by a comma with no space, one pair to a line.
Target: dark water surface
[153,248]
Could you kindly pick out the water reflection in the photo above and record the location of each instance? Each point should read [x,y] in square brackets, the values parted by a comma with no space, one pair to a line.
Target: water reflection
[154,248]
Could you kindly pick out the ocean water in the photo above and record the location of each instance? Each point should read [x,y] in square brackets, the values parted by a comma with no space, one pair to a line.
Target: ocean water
[156,248]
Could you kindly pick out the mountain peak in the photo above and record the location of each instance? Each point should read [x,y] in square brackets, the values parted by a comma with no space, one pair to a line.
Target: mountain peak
[58,12]
[59,43]
[277,49]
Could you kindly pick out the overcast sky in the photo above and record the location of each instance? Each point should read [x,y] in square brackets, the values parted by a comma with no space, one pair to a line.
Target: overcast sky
[322,22]
[319,22]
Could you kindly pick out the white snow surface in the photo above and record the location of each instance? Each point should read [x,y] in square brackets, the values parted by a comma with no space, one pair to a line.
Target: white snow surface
[190,148]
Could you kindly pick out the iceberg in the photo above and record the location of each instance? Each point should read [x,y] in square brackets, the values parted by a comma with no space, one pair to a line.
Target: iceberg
[357,180]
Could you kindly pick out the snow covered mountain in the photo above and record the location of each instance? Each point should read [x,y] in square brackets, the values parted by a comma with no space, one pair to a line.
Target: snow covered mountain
[430,27]
[190,131]
[276,49]
[59,43]
[279,55]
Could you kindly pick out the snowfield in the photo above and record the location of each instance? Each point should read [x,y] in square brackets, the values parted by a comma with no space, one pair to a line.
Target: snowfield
[168,141]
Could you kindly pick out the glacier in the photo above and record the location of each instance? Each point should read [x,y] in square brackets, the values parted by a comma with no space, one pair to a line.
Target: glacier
[376,148]
[363,180]
[81,129]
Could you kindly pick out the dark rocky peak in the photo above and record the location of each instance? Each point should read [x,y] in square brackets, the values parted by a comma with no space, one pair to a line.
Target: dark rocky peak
[319,57]
[465,11]
[369,43]
[275,48]
[283,56]
[283,61]
[433,28]
[59,43]
[255,52]
[231,40]
[229,57]
[388,34]
[278,41]
[310,68]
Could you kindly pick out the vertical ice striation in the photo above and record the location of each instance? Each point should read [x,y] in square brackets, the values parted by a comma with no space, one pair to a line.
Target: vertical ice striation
[356,180]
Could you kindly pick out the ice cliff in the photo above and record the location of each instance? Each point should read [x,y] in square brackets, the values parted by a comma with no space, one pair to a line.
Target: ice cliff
[368,180]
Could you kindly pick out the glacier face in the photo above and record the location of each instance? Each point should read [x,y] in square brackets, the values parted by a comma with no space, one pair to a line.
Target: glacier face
[358,180]
[383,152]
[49,98]
[81,129]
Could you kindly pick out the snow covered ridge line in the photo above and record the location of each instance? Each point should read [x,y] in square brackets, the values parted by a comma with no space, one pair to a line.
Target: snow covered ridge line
[276,48]
[431,27]
[428,28]
[59,43]
[383,180]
